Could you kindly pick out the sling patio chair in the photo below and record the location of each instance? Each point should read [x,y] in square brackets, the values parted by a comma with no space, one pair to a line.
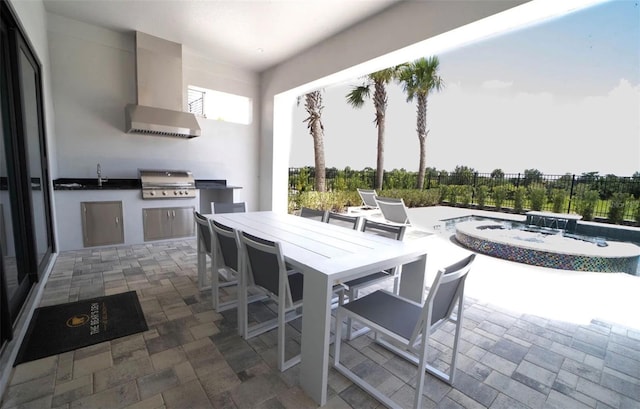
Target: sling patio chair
[323,216]
[320,215]
[265,264]
[404,327]
[205,250]
[353,287]
[224,207]
[344,220]
[227,259]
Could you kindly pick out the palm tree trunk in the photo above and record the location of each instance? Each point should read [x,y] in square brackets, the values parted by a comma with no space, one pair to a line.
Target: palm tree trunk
[318,150]
[421,127]
[380,102]
[313,106]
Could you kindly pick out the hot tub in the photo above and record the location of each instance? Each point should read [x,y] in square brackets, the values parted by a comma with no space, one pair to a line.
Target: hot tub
[548,248]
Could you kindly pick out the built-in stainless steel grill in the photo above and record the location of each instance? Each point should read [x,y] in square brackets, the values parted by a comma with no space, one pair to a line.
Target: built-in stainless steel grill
[167,184]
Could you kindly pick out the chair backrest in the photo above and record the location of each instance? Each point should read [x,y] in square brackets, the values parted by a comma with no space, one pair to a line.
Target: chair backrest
[224,207]
[393,210]
[445,293]
[320,215]
[204,230]
[351,222]
[368,197]
[266,264]
[392,231]
[226,239]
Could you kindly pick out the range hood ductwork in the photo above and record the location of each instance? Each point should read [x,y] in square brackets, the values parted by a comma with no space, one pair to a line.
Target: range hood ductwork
[159,91]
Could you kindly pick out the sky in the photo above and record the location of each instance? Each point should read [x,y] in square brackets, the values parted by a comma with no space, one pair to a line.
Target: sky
[561,97]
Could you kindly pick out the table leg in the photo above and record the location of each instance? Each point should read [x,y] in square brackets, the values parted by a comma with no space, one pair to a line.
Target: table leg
[412,279]
[316,329]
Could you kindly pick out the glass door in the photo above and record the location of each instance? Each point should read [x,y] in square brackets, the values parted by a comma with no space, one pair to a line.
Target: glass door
[11,278]
[36,161]
[26,241]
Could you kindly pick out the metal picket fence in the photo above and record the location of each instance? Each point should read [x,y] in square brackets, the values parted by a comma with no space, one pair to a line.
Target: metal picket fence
[574,186]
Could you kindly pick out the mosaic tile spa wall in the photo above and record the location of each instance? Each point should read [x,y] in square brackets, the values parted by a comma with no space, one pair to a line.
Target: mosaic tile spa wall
[547,259]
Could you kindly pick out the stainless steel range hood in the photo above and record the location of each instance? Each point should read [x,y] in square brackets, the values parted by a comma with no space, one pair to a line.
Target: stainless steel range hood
[158,121]
[159,91]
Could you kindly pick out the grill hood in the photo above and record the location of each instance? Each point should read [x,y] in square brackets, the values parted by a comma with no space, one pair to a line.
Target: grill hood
[159,91]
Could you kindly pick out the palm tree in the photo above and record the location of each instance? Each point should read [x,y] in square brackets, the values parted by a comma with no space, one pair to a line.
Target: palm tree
[419,78]
[313,106]
[356,97]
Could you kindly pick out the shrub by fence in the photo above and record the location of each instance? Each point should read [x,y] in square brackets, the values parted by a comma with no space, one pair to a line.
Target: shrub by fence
[593,196]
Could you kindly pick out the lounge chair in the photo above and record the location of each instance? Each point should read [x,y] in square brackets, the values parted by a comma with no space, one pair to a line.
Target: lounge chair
[368,199]
[393,209]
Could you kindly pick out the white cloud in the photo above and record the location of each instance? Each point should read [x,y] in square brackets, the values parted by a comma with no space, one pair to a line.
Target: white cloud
[496,84]
[527,130]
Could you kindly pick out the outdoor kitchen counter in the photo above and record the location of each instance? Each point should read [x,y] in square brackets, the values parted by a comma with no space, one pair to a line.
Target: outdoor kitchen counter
[68,214]
[216,190]
[214,184]
[92,184]
[69,193]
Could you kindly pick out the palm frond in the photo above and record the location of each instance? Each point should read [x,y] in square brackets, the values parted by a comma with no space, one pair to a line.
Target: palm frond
[384,76]
[420,77]
[358,94]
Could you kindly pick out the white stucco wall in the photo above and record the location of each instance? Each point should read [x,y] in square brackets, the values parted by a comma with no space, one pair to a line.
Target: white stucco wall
[349,54]
[229,150]
[93,72]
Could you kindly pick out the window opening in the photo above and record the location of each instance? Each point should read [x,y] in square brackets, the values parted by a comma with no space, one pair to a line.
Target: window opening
[220,106]
[196,101]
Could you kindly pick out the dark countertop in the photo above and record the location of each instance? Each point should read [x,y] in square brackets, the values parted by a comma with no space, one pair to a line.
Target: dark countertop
[214,184]
[134,184]
[92,184]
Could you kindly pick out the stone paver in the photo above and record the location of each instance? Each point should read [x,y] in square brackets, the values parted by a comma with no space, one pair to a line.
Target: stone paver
[191,356]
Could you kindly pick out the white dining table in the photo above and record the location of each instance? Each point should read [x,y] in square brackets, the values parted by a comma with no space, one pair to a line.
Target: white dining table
[325,254]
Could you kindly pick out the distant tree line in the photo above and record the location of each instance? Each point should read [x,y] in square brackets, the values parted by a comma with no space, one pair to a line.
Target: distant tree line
[616,198]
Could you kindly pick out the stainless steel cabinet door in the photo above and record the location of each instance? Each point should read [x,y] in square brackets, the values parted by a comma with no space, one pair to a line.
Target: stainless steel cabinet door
[156,223]
[183,222]
[102,223]
[168,223]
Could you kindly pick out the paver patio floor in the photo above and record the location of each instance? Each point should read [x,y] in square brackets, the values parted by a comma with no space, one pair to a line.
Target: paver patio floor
[532,338]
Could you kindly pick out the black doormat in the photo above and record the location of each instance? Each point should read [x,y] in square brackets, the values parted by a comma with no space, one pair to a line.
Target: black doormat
[65,327]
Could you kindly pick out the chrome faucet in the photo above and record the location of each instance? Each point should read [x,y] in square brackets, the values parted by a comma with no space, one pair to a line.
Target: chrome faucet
[100,178]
